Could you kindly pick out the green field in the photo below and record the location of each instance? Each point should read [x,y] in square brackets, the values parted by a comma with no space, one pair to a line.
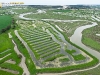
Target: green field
[5,21]
[7,51]
[51,15]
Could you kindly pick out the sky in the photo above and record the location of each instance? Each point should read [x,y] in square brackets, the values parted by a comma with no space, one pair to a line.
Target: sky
[55,2]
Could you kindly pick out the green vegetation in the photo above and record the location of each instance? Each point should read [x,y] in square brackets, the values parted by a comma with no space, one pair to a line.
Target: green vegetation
[54,57]
[76,57]
[69,27]
[5,73]
[68,10]
[90,38]
[78,66]
[50,15]
[95,71]
[12,67]
[7,50]
[64,60]
[91,43]
[68,68]
[54,33]
[70,51]
[30,65]
[5,21]
[5,42]
[42,43]
[23,10]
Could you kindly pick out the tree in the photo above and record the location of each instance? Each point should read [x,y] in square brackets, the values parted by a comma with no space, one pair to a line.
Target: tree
[3,30]
[20,56]
[50,38]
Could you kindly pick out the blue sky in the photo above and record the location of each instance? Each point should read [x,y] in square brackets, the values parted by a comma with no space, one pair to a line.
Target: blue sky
[55,2]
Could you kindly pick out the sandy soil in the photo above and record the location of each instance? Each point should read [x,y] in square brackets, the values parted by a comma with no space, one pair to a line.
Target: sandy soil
[11,61]
[9,34]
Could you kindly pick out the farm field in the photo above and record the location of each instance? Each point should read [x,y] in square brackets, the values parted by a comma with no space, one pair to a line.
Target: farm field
[39,41]
[5,21]
[43,38]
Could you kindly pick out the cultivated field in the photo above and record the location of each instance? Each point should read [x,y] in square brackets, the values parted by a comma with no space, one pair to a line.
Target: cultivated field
[5,21]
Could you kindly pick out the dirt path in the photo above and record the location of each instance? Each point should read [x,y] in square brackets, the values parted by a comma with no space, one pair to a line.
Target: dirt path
[22,63]
[9,34]
[70,71]
[11,71]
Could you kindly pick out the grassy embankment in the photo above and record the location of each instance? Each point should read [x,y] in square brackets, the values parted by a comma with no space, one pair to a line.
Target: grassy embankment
[91,39]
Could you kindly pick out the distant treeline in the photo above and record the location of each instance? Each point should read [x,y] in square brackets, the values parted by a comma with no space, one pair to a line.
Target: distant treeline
[69,6]
[79,7]
[44,6]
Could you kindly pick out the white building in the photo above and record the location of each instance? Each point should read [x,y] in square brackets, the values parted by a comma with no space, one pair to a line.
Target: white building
[64,6]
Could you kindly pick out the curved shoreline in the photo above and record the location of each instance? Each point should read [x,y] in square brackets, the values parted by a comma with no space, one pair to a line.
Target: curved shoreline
[77,36]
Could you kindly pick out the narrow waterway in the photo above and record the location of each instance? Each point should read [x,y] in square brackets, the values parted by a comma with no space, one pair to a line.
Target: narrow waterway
[22,16]
[77,37]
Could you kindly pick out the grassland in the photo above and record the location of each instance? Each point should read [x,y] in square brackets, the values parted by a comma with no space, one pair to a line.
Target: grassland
[8,44]
[6,53]
[50,15]
[5,21]
[23,10]
[91,39]
[95,71]
[5,73]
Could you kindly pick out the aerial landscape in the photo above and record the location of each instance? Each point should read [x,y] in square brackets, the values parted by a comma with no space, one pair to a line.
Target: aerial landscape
[49,39]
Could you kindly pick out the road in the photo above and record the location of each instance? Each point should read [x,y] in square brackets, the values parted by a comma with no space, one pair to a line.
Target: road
[22,63]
